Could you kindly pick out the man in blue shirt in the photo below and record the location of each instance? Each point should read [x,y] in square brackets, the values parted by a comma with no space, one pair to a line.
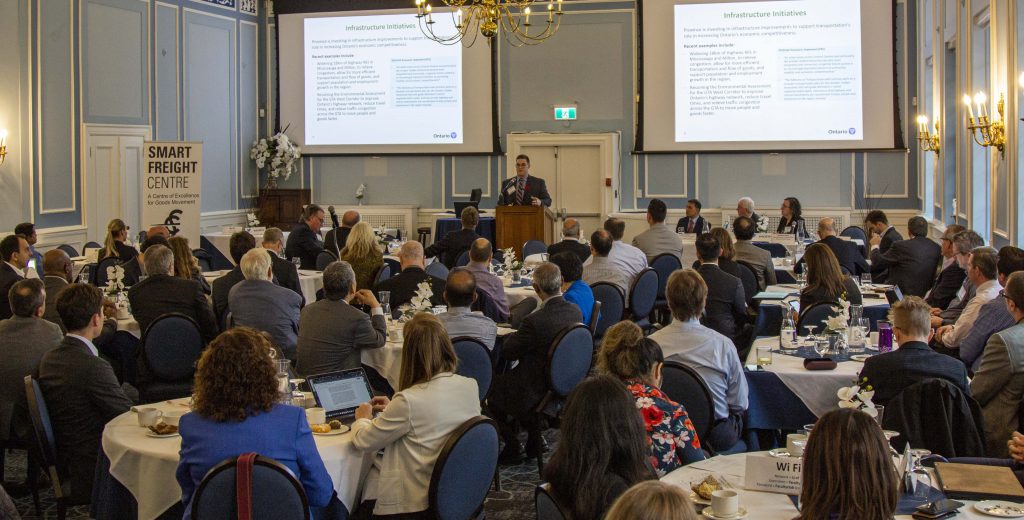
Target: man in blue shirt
[993,317]
[574,289]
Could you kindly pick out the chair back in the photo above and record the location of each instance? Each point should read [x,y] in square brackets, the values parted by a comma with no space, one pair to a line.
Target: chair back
[642,294]
[68,249]
[40,415]
[569,359]
[204,258]
[463,471]
[934,414]
[463,259]
[595,314]
[776,250]
[665,264]
[815,315]
[613,305]
[684,385]
[488,306]
[521,310]
[395,265]
[382,273]
[92,245]
[437,270]
[324,259]
[854,232]
[274,491]
[533,247]
[547,507]
[171,345]
[99,275]
[474,362]
[748,277]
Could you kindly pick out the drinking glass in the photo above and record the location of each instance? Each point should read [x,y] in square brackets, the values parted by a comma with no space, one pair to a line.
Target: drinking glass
[801,279]
[821,345]
[811,338]
[83,276]
[384,297]
[297,261]
[921,479]
[865,279]
[764,355]
[787,335]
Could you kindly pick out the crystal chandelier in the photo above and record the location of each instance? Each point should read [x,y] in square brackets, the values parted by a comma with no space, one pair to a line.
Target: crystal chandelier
[487,17]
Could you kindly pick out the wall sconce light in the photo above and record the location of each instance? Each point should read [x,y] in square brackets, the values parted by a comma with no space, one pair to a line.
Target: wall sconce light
[928,142]
[985,131]
[3,145]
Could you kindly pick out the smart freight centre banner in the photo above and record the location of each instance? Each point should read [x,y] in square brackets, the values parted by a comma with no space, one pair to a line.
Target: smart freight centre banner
[171,186]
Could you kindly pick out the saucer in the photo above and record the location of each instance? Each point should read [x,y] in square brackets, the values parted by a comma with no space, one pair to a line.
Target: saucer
[740,513]
[163,436]
[779,452]
[696,499]
[1000,508]
[860,357]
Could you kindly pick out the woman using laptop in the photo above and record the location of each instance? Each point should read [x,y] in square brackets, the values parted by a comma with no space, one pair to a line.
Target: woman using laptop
[431,402]
[235,411]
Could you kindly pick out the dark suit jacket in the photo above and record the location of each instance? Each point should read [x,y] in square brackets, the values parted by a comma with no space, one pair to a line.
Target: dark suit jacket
[946,286]
[451,246]
[331,335]
[698,226]
[726,308]
[161,294]
[520,390]
[222,287]
[848,254]
[809,298]
[891,236]
[747,279]
[403,287]
[797,224]
[535,187]
[911,264]
[8,277]
[25,340]
[82,395]
[273,309]
[304,244]
[124,251]
[914,362]
[573,246]
[285,274]
[53,285]
[334,240]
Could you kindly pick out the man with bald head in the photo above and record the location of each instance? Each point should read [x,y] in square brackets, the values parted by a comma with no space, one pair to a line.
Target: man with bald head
[460,320]
[847,252]
[570,241]
[335,239]
[404,286]
[480,254]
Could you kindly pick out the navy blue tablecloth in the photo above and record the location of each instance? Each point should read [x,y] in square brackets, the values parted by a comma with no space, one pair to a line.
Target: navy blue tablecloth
[769,320]
[486,228]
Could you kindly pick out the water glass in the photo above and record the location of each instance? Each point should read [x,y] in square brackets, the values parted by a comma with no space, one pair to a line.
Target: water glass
[787,335]
[801,279]
[865,279]
[764,355]
[821,345]
[297,261]
[858,334]
[83,276]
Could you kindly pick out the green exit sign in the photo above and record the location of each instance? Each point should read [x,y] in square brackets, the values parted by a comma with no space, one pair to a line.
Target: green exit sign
[565,113]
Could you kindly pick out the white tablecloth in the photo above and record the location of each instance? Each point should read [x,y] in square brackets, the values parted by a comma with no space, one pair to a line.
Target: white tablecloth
[146,465]
[816,388]
[309,281]
[387,361]
[514,295]
[131,326]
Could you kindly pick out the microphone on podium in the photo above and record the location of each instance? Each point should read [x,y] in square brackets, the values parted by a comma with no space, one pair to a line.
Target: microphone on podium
[334,218]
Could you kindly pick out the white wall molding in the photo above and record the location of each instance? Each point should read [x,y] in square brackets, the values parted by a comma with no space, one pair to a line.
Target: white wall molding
[214,221]
[50,238]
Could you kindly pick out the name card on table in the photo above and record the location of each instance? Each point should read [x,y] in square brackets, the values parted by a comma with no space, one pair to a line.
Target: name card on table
[773,474]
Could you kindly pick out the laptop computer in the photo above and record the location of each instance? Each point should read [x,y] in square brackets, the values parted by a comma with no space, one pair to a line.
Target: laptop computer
[340,393]
[894,295]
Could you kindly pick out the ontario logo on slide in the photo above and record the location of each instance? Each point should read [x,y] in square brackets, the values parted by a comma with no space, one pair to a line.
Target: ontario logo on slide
[853,131]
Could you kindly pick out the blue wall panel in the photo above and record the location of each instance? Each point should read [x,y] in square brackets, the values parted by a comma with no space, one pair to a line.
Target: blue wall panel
[115,61]
[248,104]
[167,116]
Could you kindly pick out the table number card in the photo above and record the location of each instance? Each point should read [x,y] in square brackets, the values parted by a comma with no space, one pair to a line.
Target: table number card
[773,474]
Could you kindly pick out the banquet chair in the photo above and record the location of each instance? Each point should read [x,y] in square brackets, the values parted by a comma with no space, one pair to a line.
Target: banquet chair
[395,265]
[324,259]
[488,306]
[642,296]
[684,385]
[533,247]
[171,345]
[273,491]
[204,258]
[664,264]
[547,507]
[815,316]
[858,233]
[99,275]
[569,360]
[47,446]
[474,362]
[381,273]
[776,250]
[437,270]
[521,310]
[936,415]
[613,306]
[462,473]
[68,249]
[463,259]
[595,315]
[92,245]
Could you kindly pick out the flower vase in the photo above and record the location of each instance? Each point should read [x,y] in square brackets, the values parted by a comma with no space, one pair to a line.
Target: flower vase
[271,182]
[360,199]
[516,277]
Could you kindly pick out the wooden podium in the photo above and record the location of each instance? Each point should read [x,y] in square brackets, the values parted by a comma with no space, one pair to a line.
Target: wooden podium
[517,224]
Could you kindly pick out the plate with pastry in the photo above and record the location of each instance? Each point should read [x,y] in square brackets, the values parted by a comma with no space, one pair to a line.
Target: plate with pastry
[330,428]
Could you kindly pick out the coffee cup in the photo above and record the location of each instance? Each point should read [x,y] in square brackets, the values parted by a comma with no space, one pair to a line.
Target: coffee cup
[173,417]
[725,503]
[148,416]
[316,415]
[795,443]
[308,400]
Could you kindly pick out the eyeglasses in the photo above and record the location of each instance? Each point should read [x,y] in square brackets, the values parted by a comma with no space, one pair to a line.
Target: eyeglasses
[1002,294]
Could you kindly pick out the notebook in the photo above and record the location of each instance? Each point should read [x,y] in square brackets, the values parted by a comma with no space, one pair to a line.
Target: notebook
[340,393]
[977,482]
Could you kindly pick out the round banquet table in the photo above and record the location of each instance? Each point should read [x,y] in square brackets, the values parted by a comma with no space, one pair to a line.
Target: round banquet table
[309,281]
[146,465]
[769,320]
[515,293]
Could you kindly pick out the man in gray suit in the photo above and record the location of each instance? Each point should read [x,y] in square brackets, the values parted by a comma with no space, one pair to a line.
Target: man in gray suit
[460,320]
[659,238]
[259,303]
[332,331]
[998,385]
[747,252]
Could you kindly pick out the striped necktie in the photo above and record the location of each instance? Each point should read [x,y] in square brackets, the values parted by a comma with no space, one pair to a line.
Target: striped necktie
[519,192]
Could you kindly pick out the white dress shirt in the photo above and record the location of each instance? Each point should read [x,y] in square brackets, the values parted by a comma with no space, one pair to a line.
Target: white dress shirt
[601,269]
[628,258]
[985,292]
[462,321]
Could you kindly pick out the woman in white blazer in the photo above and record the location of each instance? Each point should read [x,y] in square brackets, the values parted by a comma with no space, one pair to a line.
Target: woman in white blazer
[432,401]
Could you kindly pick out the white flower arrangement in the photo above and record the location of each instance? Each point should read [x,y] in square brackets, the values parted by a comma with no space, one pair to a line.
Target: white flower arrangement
[762,224]
[278,152]
[858,397]
[115,280]
[840,321]
[251,220]
[420,302]
[361,192]
[509,262]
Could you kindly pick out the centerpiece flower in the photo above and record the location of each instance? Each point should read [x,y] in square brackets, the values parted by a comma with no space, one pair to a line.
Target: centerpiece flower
[420,302]
[278,154]
[858,397]
[360,193]
[839,322]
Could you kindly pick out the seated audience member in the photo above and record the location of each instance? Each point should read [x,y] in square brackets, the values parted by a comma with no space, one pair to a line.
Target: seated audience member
[600,268]
[158,231]
[28,230]
[826,281]
[602,450]
[185,263]
[79,387]
[517,392]
[982,273]
[304,241]
[574,289]
[570,241]
[26,336]
[881,236]
[671,438]
[332,331]
[238,245]
[726,308]
[135,269]
[693,222]
[658,238]
[915,361]
[745,208]
[792,221]
[759,259]
[710,353]
[847,252]
[448,248]
[114,245]
[911,263]
[993,315]
[361,253]
[335,239]
[431,402]
[963,243]
[653,500]
[727,260]
[163,293]
[14,249]
[848,474]
[480,254]
[460,320]
[57,269]
[404,286]
[235,410]
[951,275]
[285,273]
[256,302]
[629,259]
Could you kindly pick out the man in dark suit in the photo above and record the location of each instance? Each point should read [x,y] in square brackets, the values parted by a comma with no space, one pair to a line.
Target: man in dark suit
[163,293]
[883,236]
[79,387]
[516,393]
[570,241]
[285,273]
[951,275]
[403,287]
[524,189]
[911,263]
[304,241]
[450,246]
[692,222]
[847,253]
[915,361]
[135,269]
[15,252]
[334,240]
[725,310]
[239,244]
[28,230]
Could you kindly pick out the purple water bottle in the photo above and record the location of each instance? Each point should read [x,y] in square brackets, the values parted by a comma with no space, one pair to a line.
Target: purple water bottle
[884,336]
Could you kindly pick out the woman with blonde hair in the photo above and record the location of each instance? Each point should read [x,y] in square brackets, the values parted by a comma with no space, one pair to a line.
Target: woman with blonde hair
[185,263]
[653,500]
[114,245]
[431,402]
[825,279]
[362,254]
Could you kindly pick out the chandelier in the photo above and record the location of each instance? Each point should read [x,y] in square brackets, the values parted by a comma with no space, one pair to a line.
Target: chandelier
[472,17]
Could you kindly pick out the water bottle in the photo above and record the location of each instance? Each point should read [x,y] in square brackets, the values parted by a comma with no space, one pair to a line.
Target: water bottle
[787,336]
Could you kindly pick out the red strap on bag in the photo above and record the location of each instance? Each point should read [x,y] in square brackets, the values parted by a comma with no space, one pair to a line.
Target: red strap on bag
[243,485]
